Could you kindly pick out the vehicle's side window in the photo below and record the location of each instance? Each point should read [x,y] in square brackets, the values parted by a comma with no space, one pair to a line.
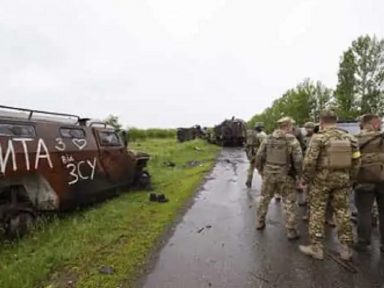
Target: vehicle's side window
[72,133]
[15,130]
[109,138]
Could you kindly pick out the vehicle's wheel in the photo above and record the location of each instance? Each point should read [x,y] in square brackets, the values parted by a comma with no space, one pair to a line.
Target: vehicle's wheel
[18,224]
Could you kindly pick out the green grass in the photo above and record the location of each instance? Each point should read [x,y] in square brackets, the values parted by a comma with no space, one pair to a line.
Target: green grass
[119,233]
[135,134]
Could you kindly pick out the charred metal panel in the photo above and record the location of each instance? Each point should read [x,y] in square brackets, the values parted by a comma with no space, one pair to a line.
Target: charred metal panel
[61,165]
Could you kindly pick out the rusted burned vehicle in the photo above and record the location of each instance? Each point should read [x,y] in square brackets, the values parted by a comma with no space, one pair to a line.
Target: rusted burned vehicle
[231,132]
[55,162]
[188,134]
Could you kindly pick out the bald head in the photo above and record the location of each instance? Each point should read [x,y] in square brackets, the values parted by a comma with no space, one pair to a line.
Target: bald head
[371,121]
[328,118]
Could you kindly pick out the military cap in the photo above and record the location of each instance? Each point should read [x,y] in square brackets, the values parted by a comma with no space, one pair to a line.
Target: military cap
[259,125]
[309,125]
[286,119]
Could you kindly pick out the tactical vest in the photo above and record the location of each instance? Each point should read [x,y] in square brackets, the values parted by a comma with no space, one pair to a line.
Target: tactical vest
[372,159]
[251,138]
[337,154]
[277,151]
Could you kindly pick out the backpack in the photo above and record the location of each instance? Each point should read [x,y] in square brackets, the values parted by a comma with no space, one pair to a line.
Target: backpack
[372,158]
[277,151]
[338,153]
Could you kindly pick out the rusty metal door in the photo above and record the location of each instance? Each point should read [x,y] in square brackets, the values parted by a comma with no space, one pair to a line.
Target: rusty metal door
[117,163]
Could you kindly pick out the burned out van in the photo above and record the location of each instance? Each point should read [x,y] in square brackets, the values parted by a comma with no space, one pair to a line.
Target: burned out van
[230,132]
[54,162]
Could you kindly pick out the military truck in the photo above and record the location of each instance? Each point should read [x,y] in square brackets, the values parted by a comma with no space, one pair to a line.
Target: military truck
[54,162]
[231,132]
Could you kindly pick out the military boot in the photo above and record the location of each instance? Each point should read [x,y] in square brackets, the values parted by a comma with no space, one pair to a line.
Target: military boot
[314,251]
[260,225]
[345,252]
[293,234]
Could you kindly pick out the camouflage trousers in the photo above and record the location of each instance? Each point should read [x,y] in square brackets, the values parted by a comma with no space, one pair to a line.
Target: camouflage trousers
[322,193]
[285,186]
[251,170]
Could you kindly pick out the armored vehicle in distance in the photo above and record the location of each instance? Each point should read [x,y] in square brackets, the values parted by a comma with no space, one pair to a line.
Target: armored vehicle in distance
[231,132]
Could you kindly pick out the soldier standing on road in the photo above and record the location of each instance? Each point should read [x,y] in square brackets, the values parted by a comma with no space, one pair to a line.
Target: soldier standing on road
[310,129]
[254,139]
[279,161]
[332,161]
[370,180]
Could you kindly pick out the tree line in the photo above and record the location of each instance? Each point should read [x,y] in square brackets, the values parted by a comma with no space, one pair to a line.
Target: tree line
[359,90]
[135,134]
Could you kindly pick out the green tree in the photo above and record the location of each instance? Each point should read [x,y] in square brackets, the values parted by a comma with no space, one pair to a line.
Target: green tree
[360,87]
[345,95]
[303,103]
[321,100]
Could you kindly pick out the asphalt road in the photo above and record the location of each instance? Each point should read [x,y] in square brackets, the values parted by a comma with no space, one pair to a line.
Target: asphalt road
[216,243]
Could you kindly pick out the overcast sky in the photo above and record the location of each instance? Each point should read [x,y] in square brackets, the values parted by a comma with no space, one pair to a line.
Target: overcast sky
[169,63]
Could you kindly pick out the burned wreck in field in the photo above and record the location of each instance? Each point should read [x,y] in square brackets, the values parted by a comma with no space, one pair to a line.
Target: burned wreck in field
[54,162]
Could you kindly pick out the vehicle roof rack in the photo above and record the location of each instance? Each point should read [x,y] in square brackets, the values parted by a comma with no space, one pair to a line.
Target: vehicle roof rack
[95,123]
[31,112]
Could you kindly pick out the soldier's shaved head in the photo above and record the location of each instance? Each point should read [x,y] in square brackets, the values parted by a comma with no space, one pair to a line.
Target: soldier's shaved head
[368,118]
[372,120]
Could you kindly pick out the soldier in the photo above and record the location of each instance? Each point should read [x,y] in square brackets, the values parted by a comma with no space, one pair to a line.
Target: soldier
[331,161]
[370,180]
[310,129]
[279,161]
[254,139]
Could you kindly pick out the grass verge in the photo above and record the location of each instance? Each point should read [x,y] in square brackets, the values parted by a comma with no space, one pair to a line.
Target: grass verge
[116,236]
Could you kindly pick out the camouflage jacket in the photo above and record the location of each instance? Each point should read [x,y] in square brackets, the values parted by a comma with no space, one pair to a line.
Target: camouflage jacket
[295,156]
[307,140]
[315,154]
[363,136]
[254,140]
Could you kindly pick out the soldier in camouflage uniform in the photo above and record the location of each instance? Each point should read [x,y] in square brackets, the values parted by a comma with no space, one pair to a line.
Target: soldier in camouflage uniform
[370,181]
[254,139]
[279,161]
[332,161]
[310,128]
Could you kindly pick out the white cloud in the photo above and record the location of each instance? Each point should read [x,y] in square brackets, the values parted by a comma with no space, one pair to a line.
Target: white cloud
[172,62]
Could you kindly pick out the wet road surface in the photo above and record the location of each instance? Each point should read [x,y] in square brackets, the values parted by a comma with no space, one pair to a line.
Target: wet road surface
[216,243]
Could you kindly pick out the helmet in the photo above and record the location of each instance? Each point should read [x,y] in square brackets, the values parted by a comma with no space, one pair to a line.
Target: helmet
[259,125]
[309,125]
[286,120]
